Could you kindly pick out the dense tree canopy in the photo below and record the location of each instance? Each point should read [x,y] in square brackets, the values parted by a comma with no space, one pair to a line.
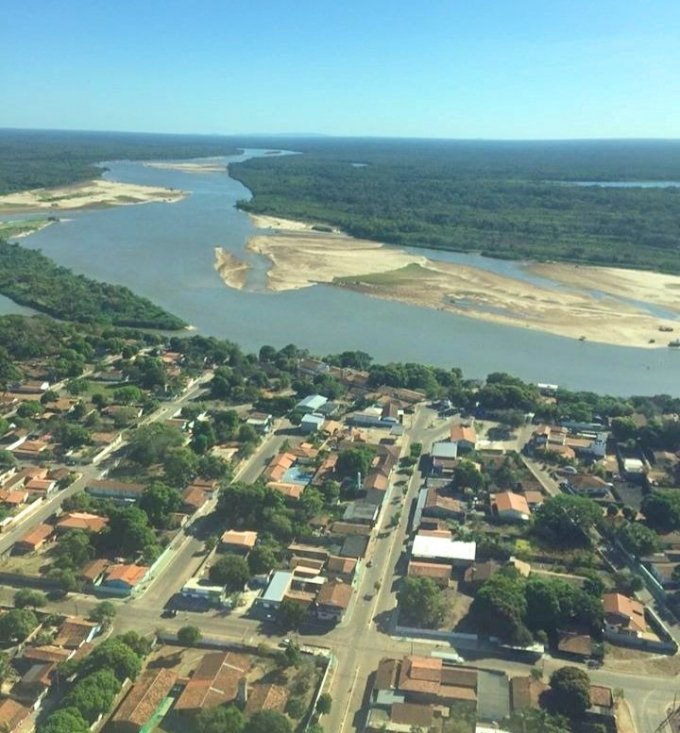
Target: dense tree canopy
[421,600]
[570,687]
[565,519]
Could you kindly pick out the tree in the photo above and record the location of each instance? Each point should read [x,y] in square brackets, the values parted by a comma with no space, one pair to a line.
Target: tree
[638,539]
[231,571]
[570,687]
[103,613]
[73,550]
[466,475]
[140,645]
[354,461]
[268,721]
[189,635]
[150,443]
[421,599]
[290,614]
[5,667]
[536,721]
[324,703]
[128,532]
[500,607]
[220,720]
[158,501]
[262,559]
[16,625]
[64,720]
[566,519]
[662,510]
[29,598]
[295,707]
[179,466]
[116,655]
[94,694]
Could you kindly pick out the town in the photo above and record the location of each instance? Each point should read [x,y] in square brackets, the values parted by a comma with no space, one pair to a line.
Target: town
[193,537]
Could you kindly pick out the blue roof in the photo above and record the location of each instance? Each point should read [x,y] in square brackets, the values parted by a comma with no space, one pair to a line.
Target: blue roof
[278,586]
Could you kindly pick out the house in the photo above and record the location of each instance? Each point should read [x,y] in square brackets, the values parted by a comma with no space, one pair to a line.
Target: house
[91,523]
[143,700]
[312,422]
[261,422]
[479,573]
[278,466]
[195,588]
[444,457]
[333,600]
[123,579]
[510,507]
[35,539]
[31,386]
[526,692]
[465,437]
[275,592]
[93,572]
[312,367]
[119,491]
[216,681]
[354,545]
[375,485]
[31,450]
[440,574]
[311,403]
[290,492]
[308,551]
[361,512]
[439,506]
[193,498]
[34,683]
[74,632]
[601,708]
[341,568]
[623,616]
[574,644]
[41,486]
[240,543]
[12,714]
[266,696]
[534,499]
[443,549]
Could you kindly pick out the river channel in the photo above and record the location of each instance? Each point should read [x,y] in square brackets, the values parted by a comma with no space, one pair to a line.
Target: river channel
[166,252]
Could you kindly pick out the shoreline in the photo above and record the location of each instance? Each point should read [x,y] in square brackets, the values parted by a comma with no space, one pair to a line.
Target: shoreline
[95,193]
[188,167]
[301,256]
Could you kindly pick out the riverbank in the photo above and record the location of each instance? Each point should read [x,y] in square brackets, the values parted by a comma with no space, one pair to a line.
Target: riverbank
[89,194]
[18,229]
[301,256]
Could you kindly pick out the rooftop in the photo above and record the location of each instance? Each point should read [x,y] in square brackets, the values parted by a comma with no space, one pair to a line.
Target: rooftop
[443,547]
[145,697]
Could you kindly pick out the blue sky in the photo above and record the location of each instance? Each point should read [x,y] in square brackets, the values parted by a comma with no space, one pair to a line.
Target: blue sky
[422,68]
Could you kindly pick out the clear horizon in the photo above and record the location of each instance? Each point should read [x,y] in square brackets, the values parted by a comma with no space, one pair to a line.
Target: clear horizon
[388,69]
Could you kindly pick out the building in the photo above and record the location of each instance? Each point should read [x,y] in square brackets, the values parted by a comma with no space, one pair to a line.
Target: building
[123,579]
[443,549]
[480,572]
[119,491]
[275,592]
[74,632]
[265,696]
[510,507]
[312,422]
[143,700]
[439,573]
[240,543]
[623,616]
[12,714]
[311,403]
[361,512]
[574,644]
[195,588]
[465,437]
[35,539]
[333,600]
[261,422]
[341,568]
[91,523]
[216,681]
[439,506]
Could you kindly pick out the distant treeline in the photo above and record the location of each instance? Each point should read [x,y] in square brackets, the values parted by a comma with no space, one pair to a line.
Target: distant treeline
[41,158]
[31,279]
[504,199]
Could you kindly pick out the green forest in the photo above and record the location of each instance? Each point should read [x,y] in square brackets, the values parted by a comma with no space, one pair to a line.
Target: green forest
[30,278]
[41,158]
[507,200]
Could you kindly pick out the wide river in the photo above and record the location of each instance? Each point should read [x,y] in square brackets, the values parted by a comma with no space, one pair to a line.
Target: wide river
[166,252]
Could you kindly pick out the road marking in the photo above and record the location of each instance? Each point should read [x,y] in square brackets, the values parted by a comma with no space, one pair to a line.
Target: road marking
[349,699]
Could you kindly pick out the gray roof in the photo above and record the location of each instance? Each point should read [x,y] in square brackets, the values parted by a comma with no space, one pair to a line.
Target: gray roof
[312,402]
[360,510]
[278,586]
[354,546]
[444,450]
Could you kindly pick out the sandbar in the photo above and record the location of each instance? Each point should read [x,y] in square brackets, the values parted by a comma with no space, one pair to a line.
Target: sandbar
[301,257]
[190,167]
[232,270]
[89,194]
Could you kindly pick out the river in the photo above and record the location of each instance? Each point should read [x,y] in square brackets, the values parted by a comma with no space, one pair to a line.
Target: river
[166,252]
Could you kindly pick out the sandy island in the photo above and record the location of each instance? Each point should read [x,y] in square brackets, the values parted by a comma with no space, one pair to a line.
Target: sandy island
[190,167]
[301,257]
[232,270]
[89,194]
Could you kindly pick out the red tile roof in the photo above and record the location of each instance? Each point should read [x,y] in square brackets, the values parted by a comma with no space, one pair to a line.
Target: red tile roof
[144,698]
[214,682]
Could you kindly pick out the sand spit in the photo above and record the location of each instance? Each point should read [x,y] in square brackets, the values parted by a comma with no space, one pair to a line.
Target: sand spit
[89,194]
[302,257]
[649,287]
[232,270]
[189,167]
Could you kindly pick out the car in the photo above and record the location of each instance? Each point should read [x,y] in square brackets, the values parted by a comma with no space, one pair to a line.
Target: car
[169,613]
[594,663]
